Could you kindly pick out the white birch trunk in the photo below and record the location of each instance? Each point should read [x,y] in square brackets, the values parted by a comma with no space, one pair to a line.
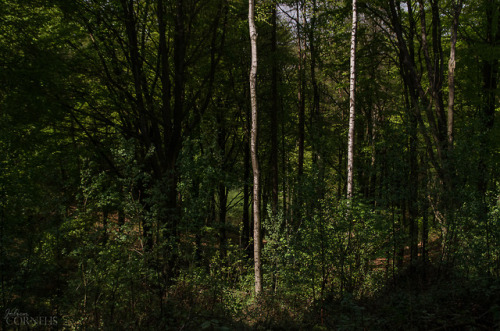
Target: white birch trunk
[352,104]
[253,150]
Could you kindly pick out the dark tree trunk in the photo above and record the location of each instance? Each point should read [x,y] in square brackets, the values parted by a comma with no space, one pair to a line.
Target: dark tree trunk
[315,111]
[222,191]
[274,115]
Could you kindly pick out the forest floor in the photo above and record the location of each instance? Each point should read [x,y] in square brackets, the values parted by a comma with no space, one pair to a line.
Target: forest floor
[436,304]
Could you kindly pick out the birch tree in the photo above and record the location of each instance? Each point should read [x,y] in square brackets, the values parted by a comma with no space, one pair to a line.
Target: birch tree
[352,103]
[253,149]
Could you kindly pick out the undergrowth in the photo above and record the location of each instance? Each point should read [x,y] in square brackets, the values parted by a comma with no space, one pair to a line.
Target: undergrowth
[436,303]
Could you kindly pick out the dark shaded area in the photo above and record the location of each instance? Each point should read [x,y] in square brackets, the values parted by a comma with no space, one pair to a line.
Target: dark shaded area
[126,181]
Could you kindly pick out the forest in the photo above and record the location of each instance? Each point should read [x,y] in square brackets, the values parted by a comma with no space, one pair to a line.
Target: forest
[249,165]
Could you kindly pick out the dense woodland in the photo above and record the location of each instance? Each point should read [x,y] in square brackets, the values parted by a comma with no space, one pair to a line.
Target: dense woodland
[140,191]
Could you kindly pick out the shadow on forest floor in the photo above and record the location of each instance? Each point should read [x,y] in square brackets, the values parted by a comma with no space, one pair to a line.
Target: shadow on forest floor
[410,303]
[446,303]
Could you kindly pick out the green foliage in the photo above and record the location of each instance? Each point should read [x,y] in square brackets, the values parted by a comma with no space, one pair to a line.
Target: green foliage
[124,171]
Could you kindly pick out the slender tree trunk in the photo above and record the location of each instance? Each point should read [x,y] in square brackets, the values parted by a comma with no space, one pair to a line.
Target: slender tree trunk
[274,114]
[457,7]
[352,103]
[412,186]
[284,163]
[425,222]
[374,161]
[254,150]
[413,190]
[315,111]
[301,99]
[316,126]
[448,166]
[340,174]
[340,156]
[166,84]
[296,214]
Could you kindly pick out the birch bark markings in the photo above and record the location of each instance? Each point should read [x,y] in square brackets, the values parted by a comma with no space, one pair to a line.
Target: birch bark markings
[352,103]
[300,95]
[253,149]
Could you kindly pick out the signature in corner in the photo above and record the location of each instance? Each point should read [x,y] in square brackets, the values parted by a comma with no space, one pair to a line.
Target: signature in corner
[14,313]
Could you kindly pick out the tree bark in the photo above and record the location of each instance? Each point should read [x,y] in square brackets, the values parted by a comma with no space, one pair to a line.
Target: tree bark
[301,99]
[296,214]
[352,104]
[457,7]
[315,111]
[274,114]
[254,149]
